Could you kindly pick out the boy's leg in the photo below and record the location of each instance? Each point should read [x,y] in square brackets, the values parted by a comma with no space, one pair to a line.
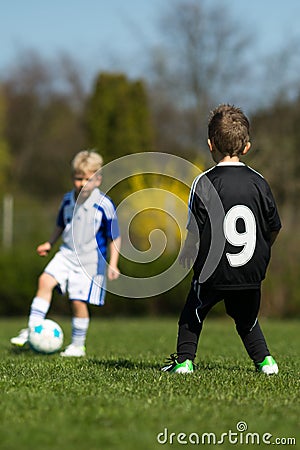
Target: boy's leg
[243,306]
[55,273]
[39,307]
[80,285]
[80,322]
[199,303]
[41,302]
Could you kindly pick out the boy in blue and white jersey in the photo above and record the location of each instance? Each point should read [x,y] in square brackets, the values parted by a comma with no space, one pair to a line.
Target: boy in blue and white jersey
[88,225]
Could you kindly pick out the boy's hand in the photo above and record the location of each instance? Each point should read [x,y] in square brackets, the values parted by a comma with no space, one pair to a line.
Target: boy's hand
[189,251]
[113,272]
[44,249]
[187,256]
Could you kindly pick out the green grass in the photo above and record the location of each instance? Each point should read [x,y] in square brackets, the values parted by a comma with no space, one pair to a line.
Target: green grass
[116,398]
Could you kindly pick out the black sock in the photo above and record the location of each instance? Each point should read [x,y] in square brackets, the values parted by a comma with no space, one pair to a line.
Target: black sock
[187,341]
[255,343]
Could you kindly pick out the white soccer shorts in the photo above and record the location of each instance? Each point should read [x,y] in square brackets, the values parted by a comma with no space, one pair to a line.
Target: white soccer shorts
[76,280]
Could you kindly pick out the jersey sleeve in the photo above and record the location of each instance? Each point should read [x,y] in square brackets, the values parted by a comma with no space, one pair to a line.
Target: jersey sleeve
[110,223]
[113,230]
[272,212]
[197,212]
[60,216]
[65,211]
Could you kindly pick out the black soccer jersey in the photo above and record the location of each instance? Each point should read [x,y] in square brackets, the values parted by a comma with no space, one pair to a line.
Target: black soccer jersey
[232,208]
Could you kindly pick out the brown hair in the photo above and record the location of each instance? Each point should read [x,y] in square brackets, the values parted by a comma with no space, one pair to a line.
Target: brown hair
[228,129]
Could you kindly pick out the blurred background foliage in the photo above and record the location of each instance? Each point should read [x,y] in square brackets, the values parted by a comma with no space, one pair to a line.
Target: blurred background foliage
[48,114]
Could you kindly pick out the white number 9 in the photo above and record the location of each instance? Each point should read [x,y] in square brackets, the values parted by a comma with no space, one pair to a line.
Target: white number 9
[247,239]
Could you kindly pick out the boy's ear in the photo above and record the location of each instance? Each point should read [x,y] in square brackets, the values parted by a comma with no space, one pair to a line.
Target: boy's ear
[99,179]
[247,148]
[210,145]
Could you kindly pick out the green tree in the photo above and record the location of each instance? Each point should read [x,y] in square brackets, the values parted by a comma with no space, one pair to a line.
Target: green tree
[118,117]
[44,125]
[276,139]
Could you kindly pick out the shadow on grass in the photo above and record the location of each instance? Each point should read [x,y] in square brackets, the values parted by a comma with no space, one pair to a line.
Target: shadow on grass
[20,350]
[129,364]
[114,363]
[123,363]
[30,352]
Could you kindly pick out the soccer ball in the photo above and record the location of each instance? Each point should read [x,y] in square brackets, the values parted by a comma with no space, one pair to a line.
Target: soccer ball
[47,337]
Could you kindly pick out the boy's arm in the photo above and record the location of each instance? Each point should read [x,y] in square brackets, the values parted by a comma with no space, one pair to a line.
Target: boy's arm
[113,271]
[189,251]
[44,249]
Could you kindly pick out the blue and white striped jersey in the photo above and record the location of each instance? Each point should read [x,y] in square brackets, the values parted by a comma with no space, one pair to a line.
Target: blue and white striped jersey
[87,228]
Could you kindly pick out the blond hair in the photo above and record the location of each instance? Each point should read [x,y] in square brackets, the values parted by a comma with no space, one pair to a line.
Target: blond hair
[87,161]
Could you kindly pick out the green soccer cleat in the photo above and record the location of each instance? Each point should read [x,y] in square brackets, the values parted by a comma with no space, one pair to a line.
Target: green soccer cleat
[268,366]
[174,366]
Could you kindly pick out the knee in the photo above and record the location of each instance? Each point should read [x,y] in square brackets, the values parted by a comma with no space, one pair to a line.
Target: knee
[46,281]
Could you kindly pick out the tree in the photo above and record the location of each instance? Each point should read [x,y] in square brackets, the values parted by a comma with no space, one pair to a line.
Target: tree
[118,117]
[200,63]
[44,124]
[276,139]
[275,149]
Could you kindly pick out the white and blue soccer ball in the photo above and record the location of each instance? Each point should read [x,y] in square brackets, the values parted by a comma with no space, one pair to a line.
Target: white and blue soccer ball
[46,337]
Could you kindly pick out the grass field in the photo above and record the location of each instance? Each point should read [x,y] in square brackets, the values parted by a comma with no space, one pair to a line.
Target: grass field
[116,397]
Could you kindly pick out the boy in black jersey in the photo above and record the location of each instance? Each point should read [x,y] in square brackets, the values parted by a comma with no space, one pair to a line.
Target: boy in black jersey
[233,221]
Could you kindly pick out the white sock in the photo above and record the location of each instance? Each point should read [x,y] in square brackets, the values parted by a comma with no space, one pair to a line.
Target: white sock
[79,330]
[38,311]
